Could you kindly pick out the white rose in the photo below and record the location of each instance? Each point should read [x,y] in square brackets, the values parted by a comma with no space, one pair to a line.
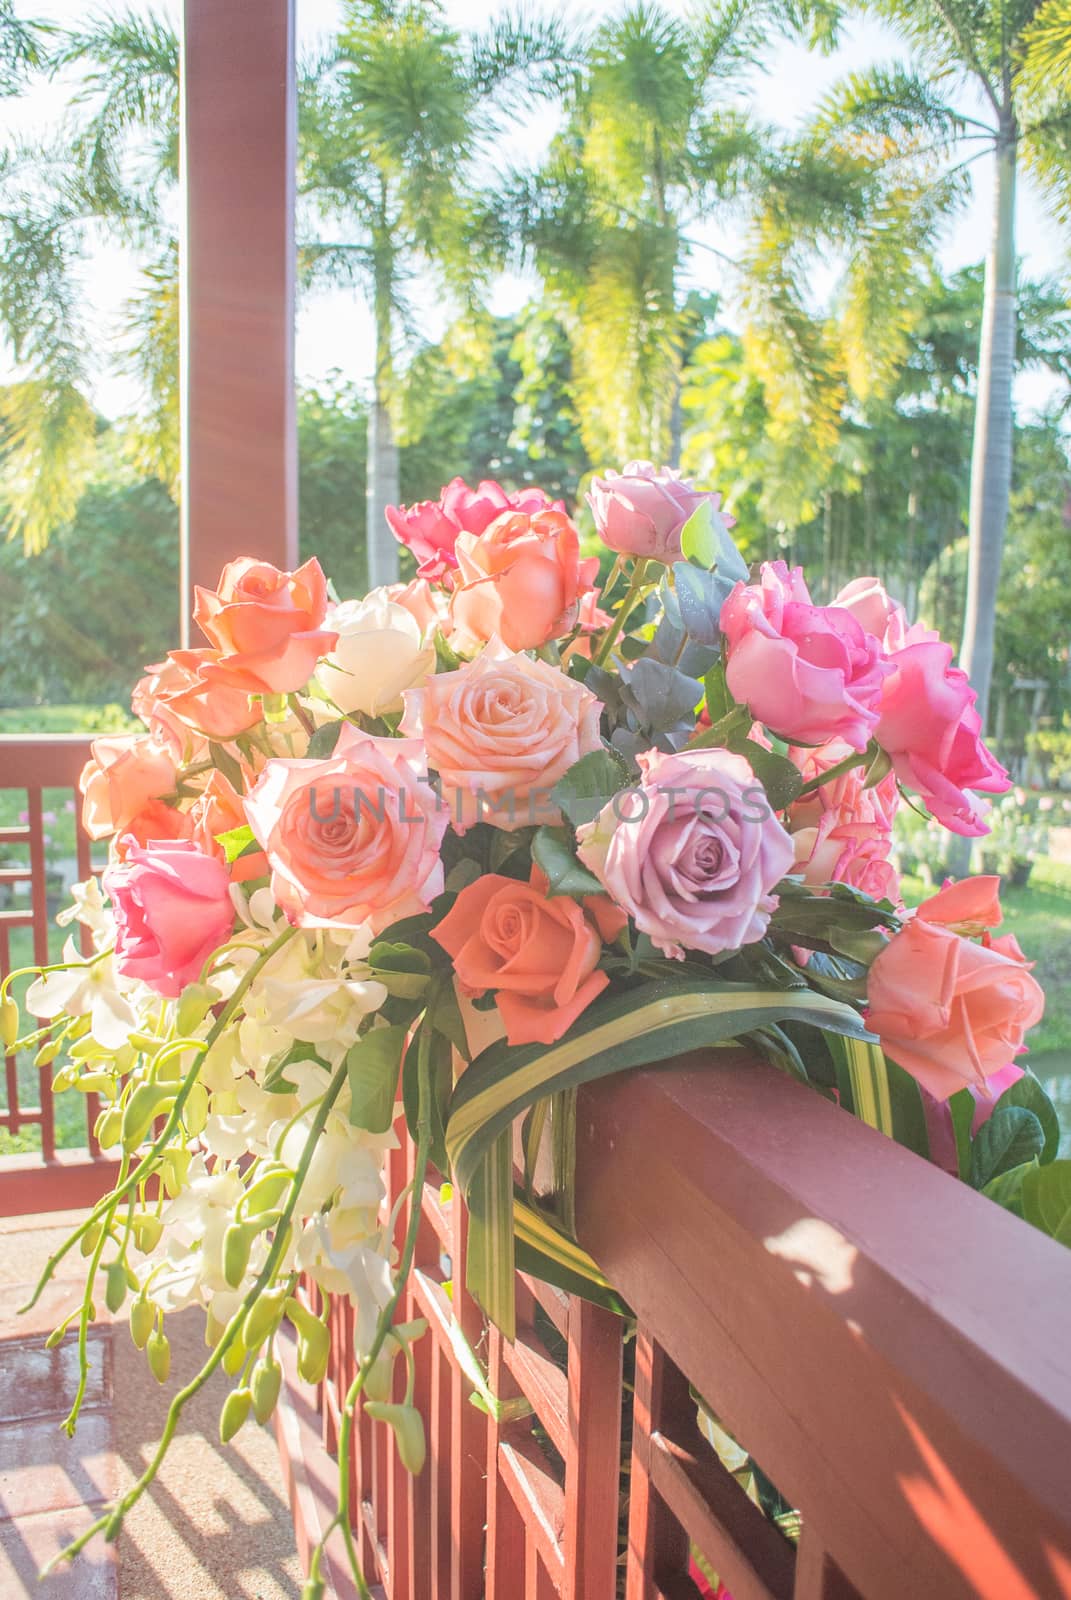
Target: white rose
[380,652]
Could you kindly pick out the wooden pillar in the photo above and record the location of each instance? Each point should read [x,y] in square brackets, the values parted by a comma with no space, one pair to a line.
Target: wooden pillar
[239,434]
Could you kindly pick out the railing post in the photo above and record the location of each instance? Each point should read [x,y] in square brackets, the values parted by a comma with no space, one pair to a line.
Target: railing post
[239,435]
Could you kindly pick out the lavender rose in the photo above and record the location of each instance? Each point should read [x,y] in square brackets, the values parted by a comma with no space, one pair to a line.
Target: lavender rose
[692,853]
[641,511]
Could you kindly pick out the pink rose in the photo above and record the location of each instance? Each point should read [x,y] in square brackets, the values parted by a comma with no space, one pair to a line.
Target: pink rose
[266,624]
[521,580]
[172,909]
[641,511]
[354,839]
[693,853]
[811,673]
[124,772]
[181,699]
[430,528]
[500,732]
[842,832]
[952,1013]
[871,604]
[929,727]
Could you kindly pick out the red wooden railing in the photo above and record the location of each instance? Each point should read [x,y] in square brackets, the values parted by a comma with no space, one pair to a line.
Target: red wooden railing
[42,774]
[890,1347]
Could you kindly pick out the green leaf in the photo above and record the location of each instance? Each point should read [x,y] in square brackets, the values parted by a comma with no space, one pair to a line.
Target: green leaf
[236,841]
[879,1092]
[589,784]
[444,1015]
[962,1107]
[224,762]
[490,1268]
[553,851]
[1046,1195]
[401,969]
[699,539]
[779,777]
[442,1077]
[322,743]
[446,658]
[719,701]
[1027,1091]
[1008,1138]
[372,1067]
[1007,1189]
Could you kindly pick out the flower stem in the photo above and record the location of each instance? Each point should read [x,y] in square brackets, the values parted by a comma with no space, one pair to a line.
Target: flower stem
[149,1162]
[111,1520]
[421,1163]
[632,594]
[838,770]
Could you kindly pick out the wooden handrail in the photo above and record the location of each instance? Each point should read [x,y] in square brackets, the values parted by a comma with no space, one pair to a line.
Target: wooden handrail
[890,1346]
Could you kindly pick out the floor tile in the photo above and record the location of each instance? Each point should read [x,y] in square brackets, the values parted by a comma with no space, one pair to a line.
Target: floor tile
[29,1542]
[42,1470]
[35,1382]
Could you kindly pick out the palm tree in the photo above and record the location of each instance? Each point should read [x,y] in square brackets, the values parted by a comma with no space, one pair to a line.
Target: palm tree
[109,172]
[392,122]
[648,148]
[1013,56]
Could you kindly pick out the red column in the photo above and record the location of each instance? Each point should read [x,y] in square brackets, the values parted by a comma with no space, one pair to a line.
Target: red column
[239,435]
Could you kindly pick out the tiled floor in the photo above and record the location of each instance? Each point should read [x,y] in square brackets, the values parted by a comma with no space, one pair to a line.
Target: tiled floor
[216,1526]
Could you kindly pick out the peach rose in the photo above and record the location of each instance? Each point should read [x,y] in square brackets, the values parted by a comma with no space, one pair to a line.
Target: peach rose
[124,772]
[952,1013]
[156,821]
[426,604]
[218,809]
[539,955]
[181,697]
[266,624]
[521,580]
[354,839]
[500,732]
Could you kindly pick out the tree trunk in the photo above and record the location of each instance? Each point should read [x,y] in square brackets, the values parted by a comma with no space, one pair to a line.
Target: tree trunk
[991,453]
[382,489]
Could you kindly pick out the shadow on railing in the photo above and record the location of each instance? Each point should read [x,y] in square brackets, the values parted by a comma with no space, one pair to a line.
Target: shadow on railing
[47,1163]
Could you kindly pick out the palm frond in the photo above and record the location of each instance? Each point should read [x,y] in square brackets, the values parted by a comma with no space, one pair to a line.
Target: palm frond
[48,433]
[1045,59]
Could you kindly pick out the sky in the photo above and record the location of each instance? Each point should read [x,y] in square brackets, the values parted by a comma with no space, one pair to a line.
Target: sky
[334,331]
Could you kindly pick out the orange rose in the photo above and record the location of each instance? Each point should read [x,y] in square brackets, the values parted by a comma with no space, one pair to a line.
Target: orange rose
[180,697]
[218,809]
[540,955]
[266,626]
[154,821]
[951,1012]
[124,772]
[521,579]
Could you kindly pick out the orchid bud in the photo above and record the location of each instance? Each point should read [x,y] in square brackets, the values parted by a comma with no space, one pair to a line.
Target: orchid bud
[263,1317]
[235,1410]
[265,1194]
[266,1382]
[142,1316]
[89,1239]
[235,1357]
[196,1002]
[147,1228]
[115,1286]
[408,1426]
[237,1243]
[48,1053]
[108,1127]
[313,1589]
[379,1379]
[144,1105]
[9,1022]
[195,1114]
[158,1351]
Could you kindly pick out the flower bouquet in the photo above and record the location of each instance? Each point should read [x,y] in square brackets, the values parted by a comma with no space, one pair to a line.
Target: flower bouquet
[442,855]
